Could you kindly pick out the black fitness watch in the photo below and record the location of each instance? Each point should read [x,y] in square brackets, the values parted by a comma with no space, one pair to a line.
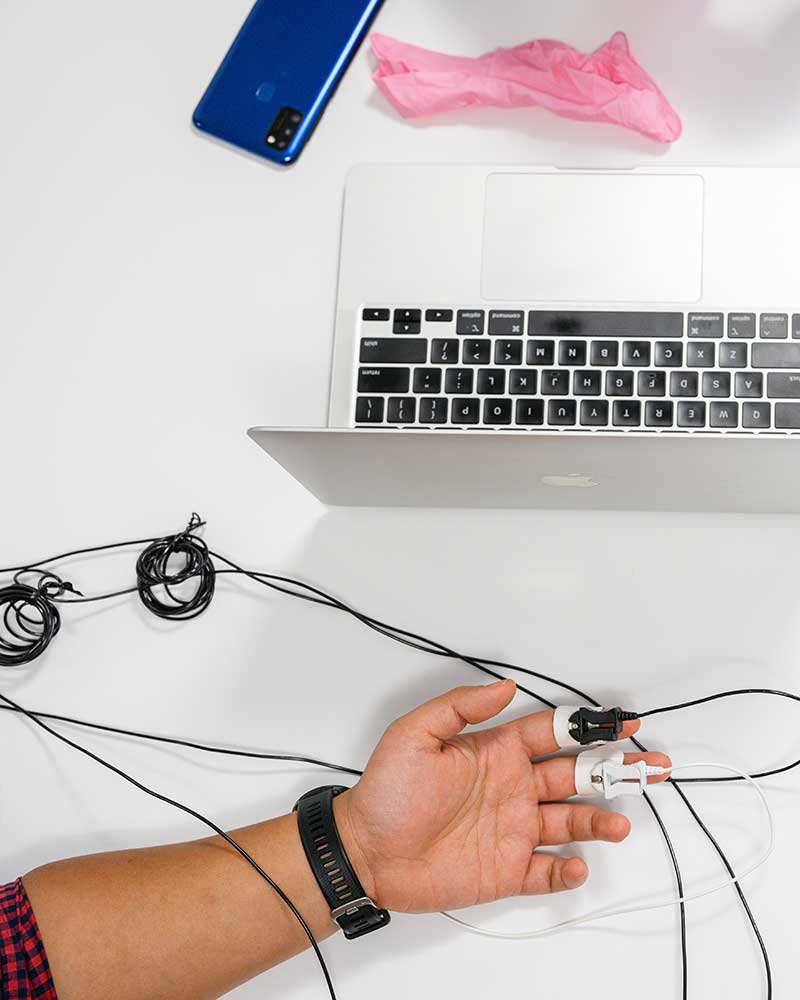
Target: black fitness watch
[351,908]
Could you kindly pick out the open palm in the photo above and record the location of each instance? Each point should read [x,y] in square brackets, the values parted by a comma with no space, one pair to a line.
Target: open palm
[443,819]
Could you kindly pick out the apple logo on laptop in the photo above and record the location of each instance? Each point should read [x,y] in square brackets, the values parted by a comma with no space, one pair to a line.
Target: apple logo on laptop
[574,481]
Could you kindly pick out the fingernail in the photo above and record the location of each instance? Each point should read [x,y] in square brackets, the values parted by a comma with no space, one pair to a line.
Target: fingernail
[574,881]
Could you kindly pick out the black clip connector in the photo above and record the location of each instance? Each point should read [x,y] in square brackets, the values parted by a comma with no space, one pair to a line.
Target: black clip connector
[598,725]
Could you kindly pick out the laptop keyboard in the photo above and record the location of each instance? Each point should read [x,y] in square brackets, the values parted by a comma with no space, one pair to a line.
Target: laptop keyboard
[590,371]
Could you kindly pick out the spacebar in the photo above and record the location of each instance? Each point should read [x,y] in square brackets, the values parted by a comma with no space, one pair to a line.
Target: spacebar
[606,324]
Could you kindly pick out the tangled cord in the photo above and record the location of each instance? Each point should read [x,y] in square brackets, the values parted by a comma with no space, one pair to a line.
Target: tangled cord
[30,621]
[29,615]
[153,571]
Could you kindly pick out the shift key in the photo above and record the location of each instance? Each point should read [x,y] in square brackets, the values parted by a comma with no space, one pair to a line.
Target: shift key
[768,355]
[383,379]
[787,416]
[783,385]
[395,351]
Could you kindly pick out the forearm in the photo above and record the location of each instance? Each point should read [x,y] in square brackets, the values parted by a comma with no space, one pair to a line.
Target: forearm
[185,922]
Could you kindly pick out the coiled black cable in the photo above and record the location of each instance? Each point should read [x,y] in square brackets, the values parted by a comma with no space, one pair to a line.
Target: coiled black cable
[153,573]
[30,621]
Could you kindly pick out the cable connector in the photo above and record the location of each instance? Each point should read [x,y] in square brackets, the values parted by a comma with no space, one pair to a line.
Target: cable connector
[603,771]
[588,726]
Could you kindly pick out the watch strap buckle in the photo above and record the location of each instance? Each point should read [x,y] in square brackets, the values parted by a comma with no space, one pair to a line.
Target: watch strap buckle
[359,916]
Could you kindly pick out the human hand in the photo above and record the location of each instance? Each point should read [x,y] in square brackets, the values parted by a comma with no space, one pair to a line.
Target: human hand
[443,819]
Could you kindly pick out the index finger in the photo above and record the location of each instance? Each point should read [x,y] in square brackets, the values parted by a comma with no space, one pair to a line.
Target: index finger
[536,732]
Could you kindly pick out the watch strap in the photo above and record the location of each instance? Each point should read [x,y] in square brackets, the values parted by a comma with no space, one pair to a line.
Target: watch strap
[350,906]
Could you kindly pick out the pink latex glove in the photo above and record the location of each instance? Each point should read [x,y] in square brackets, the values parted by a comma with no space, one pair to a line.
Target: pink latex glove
[607,86]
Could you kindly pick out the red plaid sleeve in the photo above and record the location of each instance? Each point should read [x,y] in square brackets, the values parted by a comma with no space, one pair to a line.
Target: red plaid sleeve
[24,971]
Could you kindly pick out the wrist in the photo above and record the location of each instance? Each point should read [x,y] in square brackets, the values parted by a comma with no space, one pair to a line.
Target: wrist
[353,843]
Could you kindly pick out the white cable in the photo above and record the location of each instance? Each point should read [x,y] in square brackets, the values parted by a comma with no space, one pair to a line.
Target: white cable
[639,908]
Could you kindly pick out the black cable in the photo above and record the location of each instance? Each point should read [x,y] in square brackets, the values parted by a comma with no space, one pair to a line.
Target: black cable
[191,812]
[771,692]
[188,744]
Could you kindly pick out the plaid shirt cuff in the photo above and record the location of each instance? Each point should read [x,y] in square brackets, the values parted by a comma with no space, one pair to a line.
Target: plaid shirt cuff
[24,970]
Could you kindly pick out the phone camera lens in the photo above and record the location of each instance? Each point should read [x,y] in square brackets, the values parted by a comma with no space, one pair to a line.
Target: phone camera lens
[284,128]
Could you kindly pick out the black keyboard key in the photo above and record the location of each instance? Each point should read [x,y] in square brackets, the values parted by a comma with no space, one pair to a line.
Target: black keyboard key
[506,324]
[572,352]
[491,381]
[470,322]
[401,410]
[733,355]
[383,379]
[408,315]
[530,412]
[605,352]
[776,356]
[466,411]
[636,353]
[385,351]
[587,383]
[652,383]
[691,414]
[459,380]
[405,328]
[787,416]
[594,413]
[669,355]
[444,352]
[654,325]
[702,325]
[748,385]
[619,383]
[438,315]
[796,326]
[716,384]
[627,414]
[774,326]
[701,355]
[522,382]
[783,385]
[683,384]
[497,411]
[433,410]
[658,414]
[742,326]
[756,416]
[555,382]
[477,352]
[724,416]
[369,410]
[562,412]
[541,352]
[508,352]
[375,315]
[428,380]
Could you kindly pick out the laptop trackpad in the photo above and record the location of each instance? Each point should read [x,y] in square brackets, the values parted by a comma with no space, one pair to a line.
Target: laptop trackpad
[584,237]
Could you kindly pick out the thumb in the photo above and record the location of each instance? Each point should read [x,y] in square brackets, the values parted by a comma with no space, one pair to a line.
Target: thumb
[444,717]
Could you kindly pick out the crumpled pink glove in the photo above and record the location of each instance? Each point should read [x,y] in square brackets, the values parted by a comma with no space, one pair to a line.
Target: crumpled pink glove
[607,86]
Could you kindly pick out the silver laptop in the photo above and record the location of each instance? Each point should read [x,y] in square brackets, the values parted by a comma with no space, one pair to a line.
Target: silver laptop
[533,337]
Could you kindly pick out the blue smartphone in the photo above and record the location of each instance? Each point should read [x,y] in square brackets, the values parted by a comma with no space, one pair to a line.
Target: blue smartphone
[282,69]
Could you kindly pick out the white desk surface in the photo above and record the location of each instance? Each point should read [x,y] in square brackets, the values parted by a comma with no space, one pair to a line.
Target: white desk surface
[161,293]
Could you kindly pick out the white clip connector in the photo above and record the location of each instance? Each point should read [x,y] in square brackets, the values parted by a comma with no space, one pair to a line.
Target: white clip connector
[603,771]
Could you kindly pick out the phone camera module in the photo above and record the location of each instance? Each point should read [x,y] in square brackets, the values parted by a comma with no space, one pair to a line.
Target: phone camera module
[284,128]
